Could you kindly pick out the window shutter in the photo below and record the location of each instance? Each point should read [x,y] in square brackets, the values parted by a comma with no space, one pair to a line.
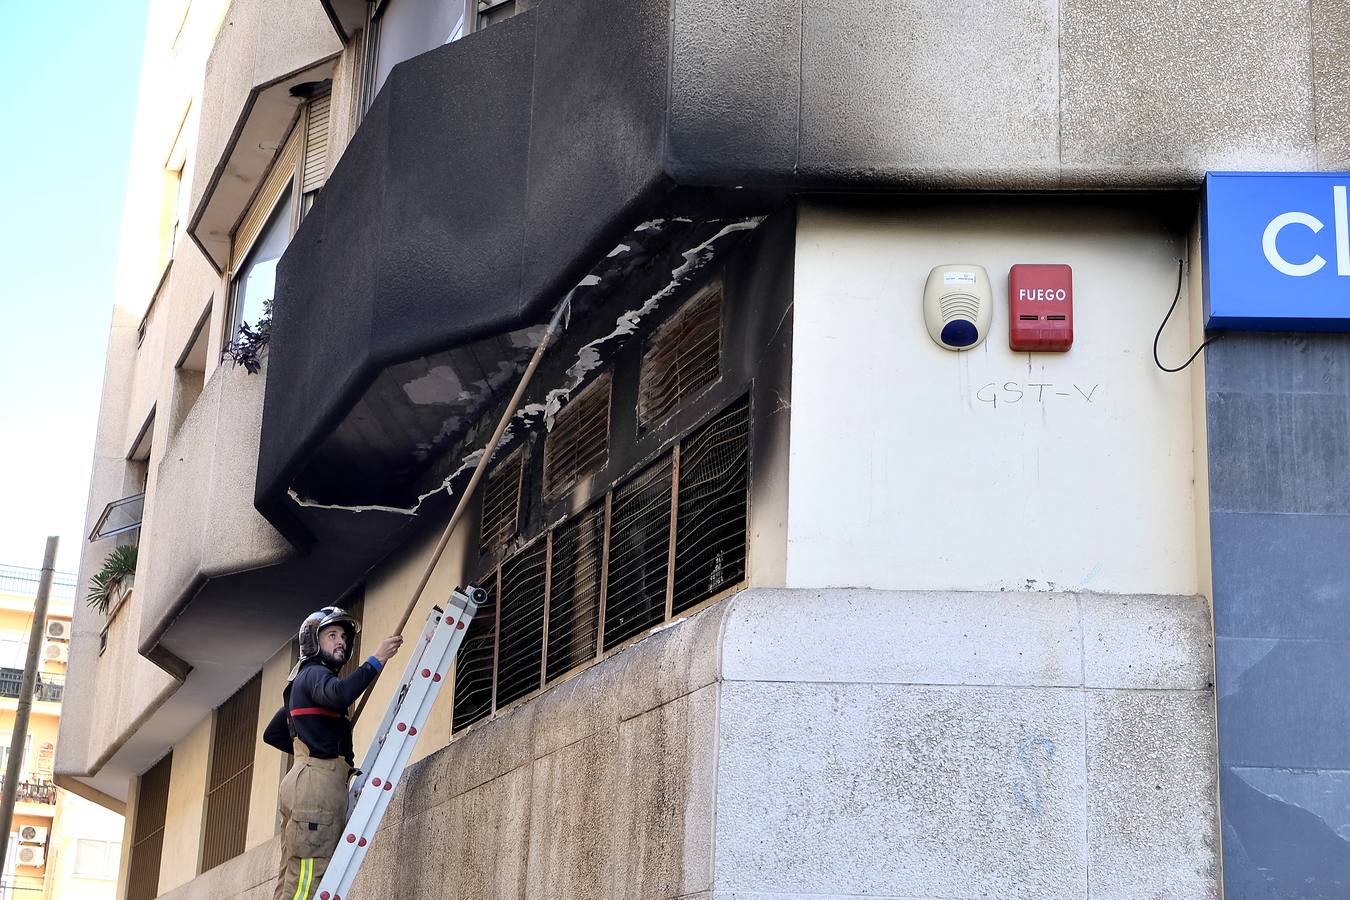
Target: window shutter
[578,445]
[278,181]
[231,775]
[147,837]
[682,358]
[316,143]
[501,504]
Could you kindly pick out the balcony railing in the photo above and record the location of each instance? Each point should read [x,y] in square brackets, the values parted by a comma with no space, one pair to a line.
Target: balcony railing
[36,792]
[49,687]
[24,581]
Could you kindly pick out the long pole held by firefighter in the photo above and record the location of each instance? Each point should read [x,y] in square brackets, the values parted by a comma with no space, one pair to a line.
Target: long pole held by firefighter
[20,736]
[554,326]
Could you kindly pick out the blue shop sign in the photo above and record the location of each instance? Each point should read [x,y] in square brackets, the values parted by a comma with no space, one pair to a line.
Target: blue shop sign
[1277,251]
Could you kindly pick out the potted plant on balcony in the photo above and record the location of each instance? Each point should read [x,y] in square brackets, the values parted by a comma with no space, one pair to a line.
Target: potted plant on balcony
[247,347]
[111,584]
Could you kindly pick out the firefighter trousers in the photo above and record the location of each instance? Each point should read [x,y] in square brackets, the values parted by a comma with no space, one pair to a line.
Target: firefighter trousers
[313,802]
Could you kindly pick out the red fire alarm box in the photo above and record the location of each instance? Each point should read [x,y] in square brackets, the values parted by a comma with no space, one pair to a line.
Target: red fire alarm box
[1040,307]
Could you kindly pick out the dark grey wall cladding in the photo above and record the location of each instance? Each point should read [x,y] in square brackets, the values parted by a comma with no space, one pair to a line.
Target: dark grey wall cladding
[1279,463]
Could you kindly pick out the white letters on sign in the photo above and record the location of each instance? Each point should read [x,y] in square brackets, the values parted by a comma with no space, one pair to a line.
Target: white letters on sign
[1315,225]
[1043,294]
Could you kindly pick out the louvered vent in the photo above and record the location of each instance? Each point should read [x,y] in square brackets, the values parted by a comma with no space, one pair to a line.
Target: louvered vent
[147,839]
[710,530]
[520,658]
[316,143]
[231,775]
[578,445]
[682,358]
[474,663]
[501,503]
[574,592]
[639,554]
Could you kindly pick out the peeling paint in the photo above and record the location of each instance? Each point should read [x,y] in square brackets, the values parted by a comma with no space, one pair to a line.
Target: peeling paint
[440,385]
[313,504]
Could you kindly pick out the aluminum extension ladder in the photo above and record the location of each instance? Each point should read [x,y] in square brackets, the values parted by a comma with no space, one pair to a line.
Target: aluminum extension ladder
[384,762]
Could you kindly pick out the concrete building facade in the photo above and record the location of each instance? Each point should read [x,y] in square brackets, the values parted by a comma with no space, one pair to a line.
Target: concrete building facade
[786,599]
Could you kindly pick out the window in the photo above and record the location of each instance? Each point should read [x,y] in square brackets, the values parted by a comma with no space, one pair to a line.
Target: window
[682,358]
[174,193]
[666,539]
[5,739]
[230,778]
[501,503]
[407,28]
[13,652]
[147,837]
[288,191]
[578,445]
[255,281]
[97,859]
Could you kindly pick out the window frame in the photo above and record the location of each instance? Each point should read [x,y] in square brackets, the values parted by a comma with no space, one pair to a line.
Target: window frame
[112,853]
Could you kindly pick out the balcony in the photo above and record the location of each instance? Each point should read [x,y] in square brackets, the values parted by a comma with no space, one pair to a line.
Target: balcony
[37,792]
[49,687]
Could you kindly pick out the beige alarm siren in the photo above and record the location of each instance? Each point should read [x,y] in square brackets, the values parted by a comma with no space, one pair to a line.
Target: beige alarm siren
[958,306]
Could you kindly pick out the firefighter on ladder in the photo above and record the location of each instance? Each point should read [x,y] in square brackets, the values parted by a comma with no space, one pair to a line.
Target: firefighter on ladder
[312,723]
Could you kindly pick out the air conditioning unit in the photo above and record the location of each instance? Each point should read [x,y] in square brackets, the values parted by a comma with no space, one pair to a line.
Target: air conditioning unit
[55,651]
[58,630]
[32,834]
[32,856]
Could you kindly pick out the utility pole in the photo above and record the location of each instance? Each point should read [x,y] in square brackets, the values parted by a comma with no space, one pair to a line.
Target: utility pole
[26,697]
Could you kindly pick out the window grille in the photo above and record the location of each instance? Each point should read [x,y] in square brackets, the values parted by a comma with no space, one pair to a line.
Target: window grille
[231,775]
[665,540]
[682,358]
[578,445]
[712,514]
[501,503]
[475,663]
[639,554]
[574,592]
[520,659]
[147,839]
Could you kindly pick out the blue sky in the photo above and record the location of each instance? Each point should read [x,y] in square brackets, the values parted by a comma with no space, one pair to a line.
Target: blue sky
[70,71]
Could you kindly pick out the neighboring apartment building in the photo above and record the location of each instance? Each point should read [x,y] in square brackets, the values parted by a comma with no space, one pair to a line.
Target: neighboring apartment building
[60,845]
[787,600]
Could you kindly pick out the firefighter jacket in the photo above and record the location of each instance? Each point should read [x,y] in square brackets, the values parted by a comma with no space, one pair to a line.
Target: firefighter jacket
[315,709]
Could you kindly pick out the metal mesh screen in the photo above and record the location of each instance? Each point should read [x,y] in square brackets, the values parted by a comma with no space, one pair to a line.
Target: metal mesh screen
[521,657]
[711,519]
[639,554]
[682,358]
[501,503]
[147,839]
[475,663]
[574,592]
[231,775]
[578,445]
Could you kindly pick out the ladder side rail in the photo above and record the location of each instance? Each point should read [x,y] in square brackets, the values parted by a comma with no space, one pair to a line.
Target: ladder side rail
[414,662]
[412,713]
